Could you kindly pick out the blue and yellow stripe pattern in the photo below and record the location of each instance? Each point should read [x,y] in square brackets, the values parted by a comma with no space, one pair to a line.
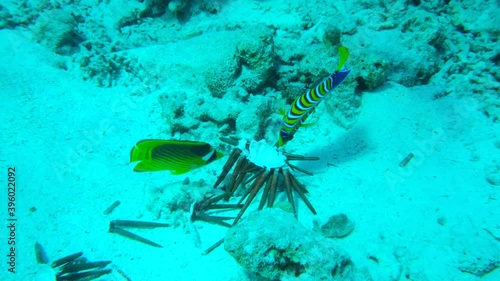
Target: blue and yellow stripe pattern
[305,104]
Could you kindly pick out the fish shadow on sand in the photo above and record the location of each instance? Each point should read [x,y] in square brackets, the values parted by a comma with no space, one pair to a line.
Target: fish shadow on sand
[353,144]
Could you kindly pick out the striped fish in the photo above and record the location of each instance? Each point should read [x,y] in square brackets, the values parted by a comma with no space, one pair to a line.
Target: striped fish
[305,104]
[177,156]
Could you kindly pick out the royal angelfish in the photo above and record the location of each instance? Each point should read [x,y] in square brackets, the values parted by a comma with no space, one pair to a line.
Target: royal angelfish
[305,104]
[177,156]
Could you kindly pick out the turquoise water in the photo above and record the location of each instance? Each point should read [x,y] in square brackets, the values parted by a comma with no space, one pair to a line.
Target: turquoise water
[407,182]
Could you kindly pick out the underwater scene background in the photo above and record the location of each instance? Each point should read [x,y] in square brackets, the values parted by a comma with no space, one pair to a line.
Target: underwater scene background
[407,186]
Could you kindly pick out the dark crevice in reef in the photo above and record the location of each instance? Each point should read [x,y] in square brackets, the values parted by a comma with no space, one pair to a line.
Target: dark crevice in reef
[362,85]
[179,112]
[231,128]
[415,2]
[181,129]
[496,59]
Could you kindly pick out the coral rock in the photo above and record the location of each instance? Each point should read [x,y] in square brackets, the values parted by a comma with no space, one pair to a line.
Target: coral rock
[272,244]
[256,54]
[58,30]
[337,226]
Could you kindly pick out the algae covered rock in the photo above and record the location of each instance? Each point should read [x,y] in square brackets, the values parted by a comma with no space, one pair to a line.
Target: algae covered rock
[177,5]
[337,226]
[274,245]
[57,29]
[255,52]
[5,17]
[220,76]
[246,61]
[373,71]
